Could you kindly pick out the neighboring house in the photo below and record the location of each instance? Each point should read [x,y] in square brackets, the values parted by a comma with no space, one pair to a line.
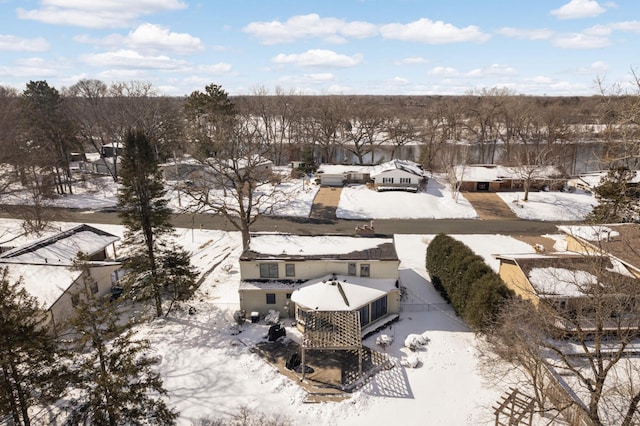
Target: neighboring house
[494,178]
[565,282]
[297,274]
[46,268]
[398,175]
[619,241]
[590,181]
[340,175]
[184,169]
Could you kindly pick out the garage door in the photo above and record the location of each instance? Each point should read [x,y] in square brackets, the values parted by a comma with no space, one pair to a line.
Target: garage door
[331,180]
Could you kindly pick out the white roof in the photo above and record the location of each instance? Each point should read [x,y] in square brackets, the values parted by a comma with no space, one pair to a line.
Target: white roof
[44,282]
[492,172]
[324,294]
[407,166]
[560,281]
[593,179]
[341,169]
[278,244]
[61,250]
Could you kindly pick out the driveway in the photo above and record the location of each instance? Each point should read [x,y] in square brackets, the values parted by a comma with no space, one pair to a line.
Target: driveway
[325,203]
[489,206]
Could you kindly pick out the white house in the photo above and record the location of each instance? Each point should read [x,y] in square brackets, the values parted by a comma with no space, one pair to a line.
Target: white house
[398,175]
[339,174]
[296,274]
[46,268]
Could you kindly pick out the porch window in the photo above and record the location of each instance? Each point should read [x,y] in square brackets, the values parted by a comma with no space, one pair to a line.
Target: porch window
[268,270]
[352,269]
[364,270]
[405,180]
[379,308]
[364,315]
[271,298]
[387,180]
[290,269]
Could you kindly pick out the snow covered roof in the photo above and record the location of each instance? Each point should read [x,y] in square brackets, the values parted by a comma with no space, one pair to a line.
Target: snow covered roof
[593,179]
[286,246]
[560,282]
[44,282]
[341,169]
[62,248]
[341,293]
[407,166]
[493,172]
[591,233]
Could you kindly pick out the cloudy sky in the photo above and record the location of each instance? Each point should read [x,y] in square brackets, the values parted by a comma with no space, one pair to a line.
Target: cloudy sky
[552,47]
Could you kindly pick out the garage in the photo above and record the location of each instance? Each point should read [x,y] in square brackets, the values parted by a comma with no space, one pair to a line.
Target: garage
[331,180]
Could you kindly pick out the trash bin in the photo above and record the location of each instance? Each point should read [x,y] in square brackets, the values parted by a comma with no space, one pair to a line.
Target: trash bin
[255,317]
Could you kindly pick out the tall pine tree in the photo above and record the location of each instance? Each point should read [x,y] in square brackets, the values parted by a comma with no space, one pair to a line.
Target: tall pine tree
[113,371]
[145,214]
[30,372]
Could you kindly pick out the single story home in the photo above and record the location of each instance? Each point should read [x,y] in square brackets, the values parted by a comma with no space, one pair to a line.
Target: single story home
[297,274]
[46,268]
[590,181]
[567,283]
[398,175]
[494,178]
[340,175]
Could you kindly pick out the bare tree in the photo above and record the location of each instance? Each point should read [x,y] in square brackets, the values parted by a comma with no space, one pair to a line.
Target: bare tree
[581,326]
[325,124]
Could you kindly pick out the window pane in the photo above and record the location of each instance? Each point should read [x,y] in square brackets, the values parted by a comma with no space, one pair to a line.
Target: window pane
[364,315]
[364,270]
[268,270]
[290,270]
[352,269]
[271,298]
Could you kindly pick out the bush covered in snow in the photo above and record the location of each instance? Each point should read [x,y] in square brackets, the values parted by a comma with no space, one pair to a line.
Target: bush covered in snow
[466,281]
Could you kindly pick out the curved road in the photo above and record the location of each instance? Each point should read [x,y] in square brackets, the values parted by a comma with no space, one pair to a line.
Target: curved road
[308,226]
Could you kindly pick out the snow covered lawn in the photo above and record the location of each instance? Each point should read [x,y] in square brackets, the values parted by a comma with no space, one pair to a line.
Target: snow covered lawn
[553,206]
[359,202]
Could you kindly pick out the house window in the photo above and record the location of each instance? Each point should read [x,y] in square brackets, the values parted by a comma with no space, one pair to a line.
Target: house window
[379,308]
[271,298]
[364,270]
[290,269]
[405,180]
[387,180]
[268,270]
[352,269]
[288,296]
[93,285]
[364,315]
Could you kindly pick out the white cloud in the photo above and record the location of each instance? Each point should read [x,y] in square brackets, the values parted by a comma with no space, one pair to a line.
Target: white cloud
[519,33]
[129,59]
[432,32]
[313,78]
[443,72]
[32,68]
[96,14]
[598,67]
[491,70]
[628,26]
[400,80]
[332,30]
[318,58]
[411,60]
[19,44]
[577,9]
[149,38]
[581,41]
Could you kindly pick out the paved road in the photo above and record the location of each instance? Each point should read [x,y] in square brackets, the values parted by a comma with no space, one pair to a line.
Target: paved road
[307,226]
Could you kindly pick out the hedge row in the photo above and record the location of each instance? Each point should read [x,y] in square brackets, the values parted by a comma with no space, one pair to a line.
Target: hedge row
[466,281]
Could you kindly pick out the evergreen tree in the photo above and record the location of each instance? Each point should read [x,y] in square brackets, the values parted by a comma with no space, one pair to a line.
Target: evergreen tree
[145,214]
[113,371]
[30,372]
[617,199]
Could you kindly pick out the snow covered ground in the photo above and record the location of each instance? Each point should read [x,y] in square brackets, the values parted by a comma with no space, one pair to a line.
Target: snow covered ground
[552,206]
[360,202]
[356,201]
